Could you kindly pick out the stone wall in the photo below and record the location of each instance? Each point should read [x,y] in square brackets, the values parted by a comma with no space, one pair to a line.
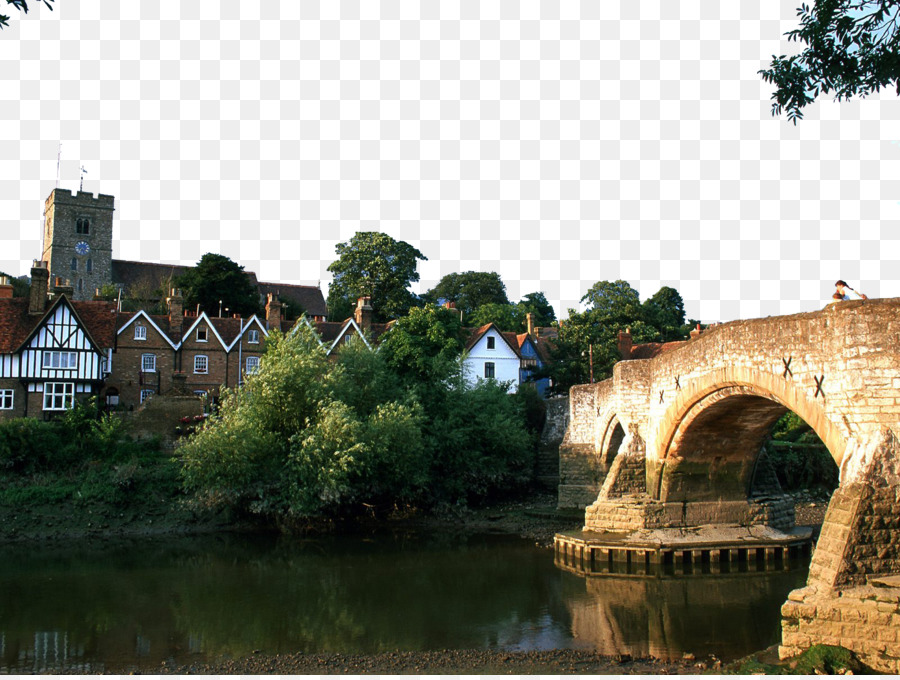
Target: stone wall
[547,463]
[160,415]
[863,619]
[630,513]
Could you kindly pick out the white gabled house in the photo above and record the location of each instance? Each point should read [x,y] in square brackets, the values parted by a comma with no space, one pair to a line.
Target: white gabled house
[490,353]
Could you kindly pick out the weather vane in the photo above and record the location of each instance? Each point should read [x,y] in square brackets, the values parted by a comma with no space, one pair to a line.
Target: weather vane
[83,171]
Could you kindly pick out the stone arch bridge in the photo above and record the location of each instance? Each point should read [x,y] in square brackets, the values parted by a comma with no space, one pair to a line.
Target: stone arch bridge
[674,440]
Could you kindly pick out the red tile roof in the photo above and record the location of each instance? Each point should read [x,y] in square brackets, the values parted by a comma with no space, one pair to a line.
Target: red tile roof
[16,324]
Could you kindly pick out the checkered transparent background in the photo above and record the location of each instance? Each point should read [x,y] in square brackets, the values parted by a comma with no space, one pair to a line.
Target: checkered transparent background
[556,143]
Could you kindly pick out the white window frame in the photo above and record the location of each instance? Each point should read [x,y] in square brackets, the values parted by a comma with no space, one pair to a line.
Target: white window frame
[59,396]
[253,336]
[55,359]
[251,365]
[7,400]
[493,370]
[205,331]
[148,363]
[140,332]
[146,394]
[204,370]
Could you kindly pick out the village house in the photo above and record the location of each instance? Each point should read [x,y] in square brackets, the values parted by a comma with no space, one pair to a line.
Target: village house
[505,356]
[53,350]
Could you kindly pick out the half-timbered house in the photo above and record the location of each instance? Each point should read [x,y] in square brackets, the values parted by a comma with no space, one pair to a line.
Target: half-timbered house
[52,350]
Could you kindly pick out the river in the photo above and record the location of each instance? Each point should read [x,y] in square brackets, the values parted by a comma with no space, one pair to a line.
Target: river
[130,605]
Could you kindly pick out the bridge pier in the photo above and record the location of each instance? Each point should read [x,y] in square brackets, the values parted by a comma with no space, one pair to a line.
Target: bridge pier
[852,597]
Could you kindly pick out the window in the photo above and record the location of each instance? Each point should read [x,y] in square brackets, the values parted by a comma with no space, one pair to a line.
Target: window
[201,364]
[140,332]
[61,360]
[82,226]
[253,337]
[488,369]
[145,395]
[89,265]
[148,363]
[58,396]
[200,393]
[104,365]
[74,265]
[6,399]
[252,364]
[490,342]
[201,334]
[80,285]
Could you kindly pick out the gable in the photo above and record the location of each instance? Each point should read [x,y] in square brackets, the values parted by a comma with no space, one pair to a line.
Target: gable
[143,318]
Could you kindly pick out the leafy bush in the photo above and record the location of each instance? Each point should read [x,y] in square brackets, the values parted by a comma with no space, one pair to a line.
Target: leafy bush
[306,436]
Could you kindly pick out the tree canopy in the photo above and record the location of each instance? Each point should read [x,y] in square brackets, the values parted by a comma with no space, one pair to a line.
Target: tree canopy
[469,290]
[375,265]
[215,278]
[21,5]
[594,333]
[852,49]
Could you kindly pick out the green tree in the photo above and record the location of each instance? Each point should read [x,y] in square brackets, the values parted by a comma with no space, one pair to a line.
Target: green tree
[302,437]
[537,304]
[614,306]
[852,49]
[423,348]
[469,290]
[375,265]
[664,311]
[506,317]
[21,5]
[218,278]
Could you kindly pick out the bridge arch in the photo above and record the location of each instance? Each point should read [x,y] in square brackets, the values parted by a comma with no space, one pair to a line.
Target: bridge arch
[709,438]
[611,436]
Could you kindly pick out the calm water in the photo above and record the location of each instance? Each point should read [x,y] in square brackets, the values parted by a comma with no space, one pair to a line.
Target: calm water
[132,605]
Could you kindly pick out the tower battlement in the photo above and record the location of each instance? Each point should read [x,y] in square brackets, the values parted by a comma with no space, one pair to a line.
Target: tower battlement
[81,198]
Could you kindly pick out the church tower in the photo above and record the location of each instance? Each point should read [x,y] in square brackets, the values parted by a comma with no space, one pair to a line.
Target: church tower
[78,239]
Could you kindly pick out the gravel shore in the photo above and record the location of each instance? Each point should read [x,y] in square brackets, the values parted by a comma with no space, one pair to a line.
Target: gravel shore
[447,662]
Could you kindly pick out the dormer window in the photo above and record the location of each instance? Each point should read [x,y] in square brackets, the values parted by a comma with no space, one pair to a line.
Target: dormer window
[82,225]
[253,337]
[202,333]
[491,342]
[140,332]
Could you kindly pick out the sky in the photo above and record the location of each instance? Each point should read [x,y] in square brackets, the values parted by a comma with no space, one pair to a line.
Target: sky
[557,144]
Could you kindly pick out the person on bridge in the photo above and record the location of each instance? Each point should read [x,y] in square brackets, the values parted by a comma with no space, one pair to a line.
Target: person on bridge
[843,288]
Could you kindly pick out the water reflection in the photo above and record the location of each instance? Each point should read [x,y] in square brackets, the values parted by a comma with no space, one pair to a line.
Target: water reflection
[134,605]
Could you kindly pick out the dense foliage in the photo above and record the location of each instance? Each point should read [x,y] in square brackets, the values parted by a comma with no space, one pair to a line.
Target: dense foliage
[218,281]
[307,436]
[593,334]
[852,49]
[799,457]
[469,291]
[81,458]
[373,265]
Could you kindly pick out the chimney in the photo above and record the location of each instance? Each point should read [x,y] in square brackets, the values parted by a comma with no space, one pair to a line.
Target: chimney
[696,332]
[529,322]
[625,343]
[6,289]
[61,287]
[40,280]
[363,314]
[175,303]
[273,312]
